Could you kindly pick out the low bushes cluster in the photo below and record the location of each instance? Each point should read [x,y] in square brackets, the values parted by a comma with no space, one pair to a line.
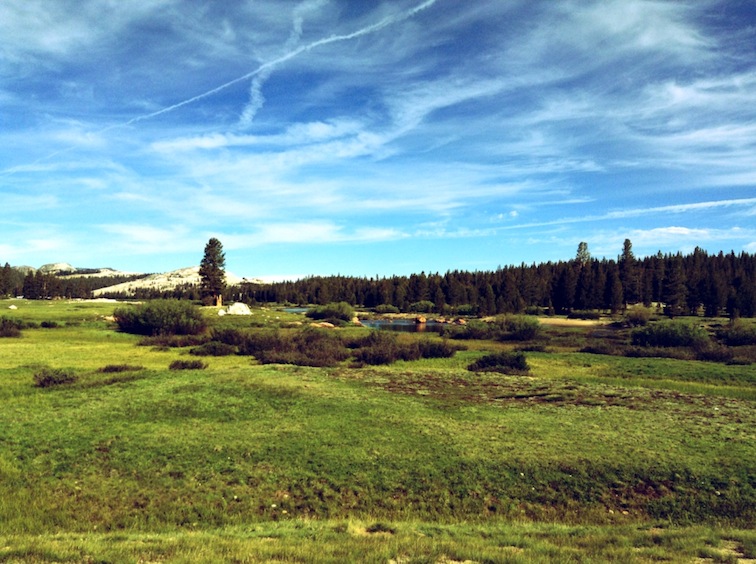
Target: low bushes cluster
[49,377]
[384,348]
[213,348]
[504,362]
[312,346]
[386,308]
[173,341]
[738,334]
[671,334]
[308,347]
[161,317]
[502,328]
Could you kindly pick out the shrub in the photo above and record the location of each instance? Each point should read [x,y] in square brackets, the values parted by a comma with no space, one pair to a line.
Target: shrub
[229,336]
[521,327]
[438,349]
[738,334]
[10,327]
[48,377]
[715,353]
[671,334]
[384,348]
[49,324]
[187,365]
[423,306]
[213,348]
[473,330]
[638,316]
[166,342]
[466,309]
[600,347]
[161,317]
[505,362]
[341,311]
[386,308]
[112,368]
[307,347]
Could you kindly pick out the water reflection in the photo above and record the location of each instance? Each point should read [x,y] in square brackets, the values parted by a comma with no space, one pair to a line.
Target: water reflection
[405,325]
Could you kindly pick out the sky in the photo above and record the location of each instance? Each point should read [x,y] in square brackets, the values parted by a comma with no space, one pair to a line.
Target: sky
[377,138]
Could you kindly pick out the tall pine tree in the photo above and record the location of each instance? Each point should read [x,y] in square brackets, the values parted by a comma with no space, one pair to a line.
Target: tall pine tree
[212,273]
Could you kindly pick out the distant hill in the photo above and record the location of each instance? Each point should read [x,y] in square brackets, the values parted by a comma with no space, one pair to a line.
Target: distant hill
[166,281]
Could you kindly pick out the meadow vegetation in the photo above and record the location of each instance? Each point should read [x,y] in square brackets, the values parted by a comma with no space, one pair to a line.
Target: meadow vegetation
[278,441]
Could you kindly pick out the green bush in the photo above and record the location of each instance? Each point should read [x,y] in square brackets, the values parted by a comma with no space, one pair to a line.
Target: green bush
[213,348]
[521,327]
[386,308]
[306,347]
[382,347]
[48,377]
[166,342]
[423,306]
[161,317]
[638,316]
[187,365]
[341,311]
[671,334]
[738,334]
[504,362]
[438,349]
[10,327]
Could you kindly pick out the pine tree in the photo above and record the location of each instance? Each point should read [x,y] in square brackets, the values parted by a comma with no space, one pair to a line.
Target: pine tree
[628,268]
[212,273]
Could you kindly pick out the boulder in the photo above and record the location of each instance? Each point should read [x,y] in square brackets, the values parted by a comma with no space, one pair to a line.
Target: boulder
[238,309]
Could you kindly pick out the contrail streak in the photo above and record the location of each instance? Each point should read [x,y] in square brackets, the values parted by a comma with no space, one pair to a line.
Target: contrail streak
[263,68]
[256,98]
[385,22]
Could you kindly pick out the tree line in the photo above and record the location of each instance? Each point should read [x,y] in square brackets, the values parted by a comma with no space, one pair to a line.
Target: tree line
[38,285]
[696,283]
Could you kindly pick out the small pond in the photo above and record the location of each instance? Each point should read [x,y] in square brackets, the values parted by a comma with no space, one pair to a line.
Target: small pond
[406,325]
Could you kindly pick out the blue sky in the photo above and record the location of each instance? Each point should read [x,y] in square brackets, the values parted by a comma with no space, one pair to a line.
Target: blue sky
[373,138]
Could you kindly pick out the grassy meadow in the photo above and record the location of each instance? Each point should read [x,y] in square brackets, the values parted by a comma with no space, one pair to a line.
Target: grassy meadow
[585,458]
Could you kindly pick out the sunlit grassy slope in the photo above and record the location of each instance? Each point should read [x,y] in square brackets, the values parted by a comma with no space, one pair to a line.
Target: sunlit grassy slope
[417,459]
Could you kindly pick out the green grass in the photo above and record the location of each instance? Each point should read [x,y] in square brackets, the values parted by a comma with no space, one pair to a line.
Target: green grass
[587,458]
[352,541]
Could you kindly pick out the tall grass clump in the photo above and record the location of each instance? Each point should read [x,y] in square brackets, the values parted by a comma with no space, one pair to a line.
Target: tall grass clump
[10,327]
[49,377]
[161,317]
[671,334]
